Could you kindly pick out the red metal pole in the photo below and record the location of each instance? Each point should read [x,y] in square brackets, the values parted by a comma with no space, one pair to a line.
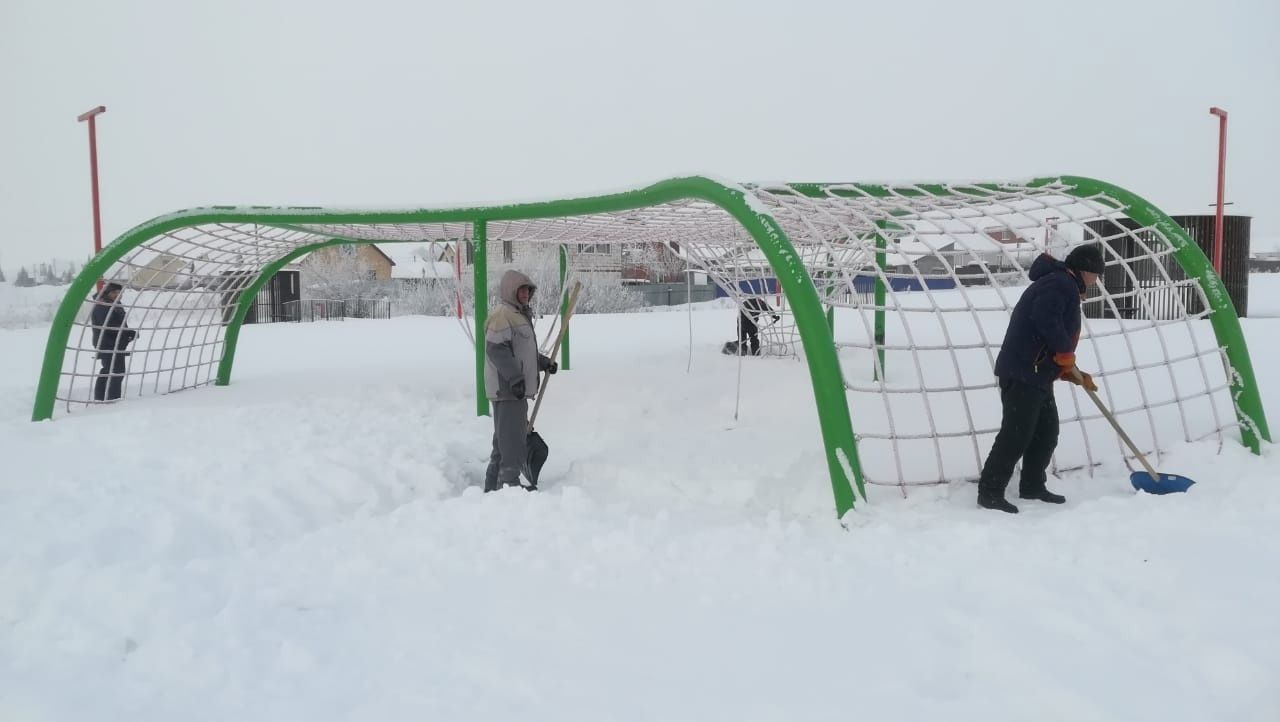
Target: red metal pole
[90,115]
[1222,182]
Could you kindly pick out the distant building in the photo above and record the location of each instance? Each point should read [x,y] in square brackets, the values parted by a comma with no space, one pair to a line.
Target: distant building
[379,264]
[419,263]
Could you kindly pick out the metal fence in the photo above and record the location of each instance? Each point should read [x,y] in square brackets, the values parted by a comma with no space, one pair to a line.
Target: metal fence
[1142,292]
[672,294]
[321,309]
[366,308]
[277,300]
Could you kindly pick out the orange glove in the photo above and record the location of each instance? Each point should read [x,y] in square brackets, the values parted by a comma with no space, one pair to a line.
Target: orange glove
[1084,379]
[1067,362]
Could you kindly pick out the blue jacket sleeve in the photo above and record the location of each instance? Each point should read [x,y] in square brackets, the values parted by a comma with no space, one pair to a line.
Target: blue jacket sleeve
[1047,315]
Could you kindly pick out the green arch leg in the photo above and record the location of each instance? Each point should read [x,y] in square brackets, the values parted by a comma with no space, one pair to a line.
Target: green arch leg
[815,336]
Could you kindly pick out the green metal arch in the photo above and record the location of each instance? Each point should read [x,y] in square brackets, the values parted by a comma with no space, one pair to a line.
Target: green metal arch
[815,335]
[816,338]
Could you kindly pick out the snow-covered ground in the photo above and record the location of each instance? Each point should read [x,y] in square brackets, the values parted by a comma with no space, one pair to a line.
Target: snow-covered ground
[29,307]
[1264,295]
[309,543]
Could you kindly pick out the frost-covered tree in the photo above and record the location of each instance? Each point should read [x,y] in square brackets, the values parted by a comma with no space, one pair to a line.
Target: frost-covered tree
[23,280]
[338,272]
[601,292]
[657,262]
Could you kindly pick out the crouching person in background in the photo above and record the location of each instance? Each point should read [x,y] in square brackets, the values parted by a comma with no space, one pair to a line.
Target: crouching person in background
[511,367]
[749,324]
[111,336]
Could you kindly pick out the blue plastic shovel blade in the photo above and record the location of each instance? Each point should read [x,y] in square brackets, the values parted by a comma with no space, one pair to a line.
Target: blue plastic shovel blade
[1162,484]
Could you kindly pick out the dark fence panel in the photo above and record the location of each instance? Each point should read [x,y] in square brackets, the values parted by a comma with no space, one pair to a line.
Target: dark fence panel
[1235,252]
[277,300]
[323,310]
[318,309]
[367,308]
[672,294]
[265,310]
[1146,293]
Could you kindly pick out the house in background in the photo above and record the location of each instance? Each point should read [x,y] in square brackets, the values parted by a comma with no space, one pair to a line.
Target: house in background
[604,261]
[376,263]
[653,262]
[416,264]
[1265,261]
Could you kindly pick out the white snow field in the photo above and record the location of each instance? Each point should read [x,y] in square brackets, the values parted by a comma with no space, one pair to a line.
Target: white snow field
[310,543]
[29,307]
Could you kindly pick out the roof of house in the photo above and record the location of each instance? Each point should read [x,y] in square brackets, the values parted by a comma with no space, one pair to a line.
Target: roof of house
[417,260]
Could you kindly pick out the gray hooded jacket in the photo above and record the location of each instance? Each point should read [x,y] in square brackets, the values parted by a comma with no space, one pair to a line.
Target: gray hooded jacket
[511,348]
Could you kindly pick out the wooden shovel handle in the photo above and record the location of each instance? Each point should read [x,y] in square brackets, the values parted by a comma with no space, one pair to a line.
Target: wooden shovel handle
[564,325]
[1115,425]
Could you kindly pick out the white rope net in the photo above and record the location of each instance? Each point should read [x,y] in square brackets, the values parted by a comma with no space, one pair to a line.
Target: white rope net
[951,263]
[952,268]
[180,290]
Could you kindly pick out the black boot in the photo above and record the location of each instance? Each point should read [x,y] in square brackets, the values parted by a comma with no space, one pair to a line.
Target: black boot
[1043,495]
[998,503]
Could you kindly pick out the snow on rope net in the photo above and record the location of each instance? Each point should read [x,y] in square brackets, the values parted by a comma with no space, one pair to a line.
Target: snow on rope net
[937,268]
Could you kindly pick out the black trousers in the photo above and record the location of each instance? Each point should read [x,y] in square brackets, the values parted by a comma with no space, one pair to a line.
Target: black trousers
[1028,431]
[106,387]
[748,336]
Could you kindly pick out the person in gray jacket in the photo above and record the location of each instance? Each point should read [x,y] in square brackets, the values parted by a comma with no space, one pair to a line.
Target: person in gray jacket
[511,368]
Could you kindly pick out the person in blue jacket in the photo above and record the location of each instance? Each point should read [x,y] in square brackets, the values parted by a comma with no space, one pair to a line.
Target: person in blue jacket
[1039,348]
[111,337]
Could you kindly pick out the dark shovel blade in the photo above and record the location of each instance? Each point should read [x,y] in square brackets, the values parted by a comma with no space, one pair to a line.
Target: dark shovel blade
[1162,484]
[536,456]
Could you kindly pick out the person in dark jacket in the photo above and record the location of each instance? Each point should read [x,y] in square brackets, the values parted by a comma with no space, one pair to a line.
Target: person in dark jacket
[1039,348]
[511,368]
[111,337]
[749,324]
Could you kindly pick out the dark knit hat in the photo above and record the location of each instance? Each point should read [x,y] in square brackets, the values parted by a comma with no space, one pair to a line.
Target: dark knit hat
[1086,258]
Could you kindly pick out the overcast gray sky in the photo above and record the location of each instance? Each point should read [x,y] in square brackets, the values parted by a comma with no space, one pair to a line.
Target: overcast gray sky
[420,103]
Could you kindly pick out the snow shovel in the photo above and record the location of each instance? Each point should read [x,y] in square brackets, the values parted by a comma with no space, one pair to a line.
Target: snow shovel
[1149,481]
[536,450]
